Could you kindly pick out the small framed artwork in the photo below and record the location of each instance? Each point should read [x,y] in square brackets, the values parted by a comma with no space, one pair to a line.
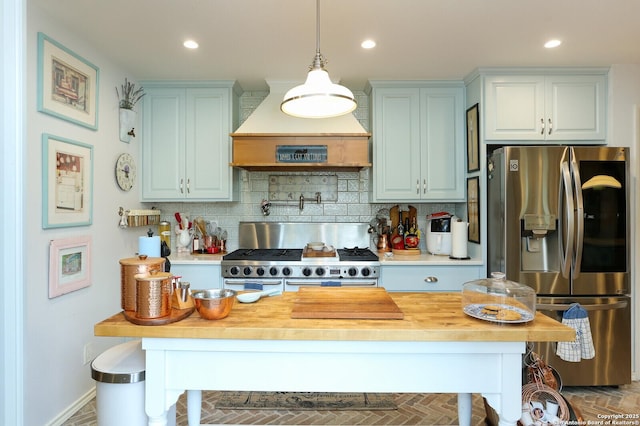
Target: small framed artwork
[69,265]
[67,84]
[67,182]
[473,208]
[473,141]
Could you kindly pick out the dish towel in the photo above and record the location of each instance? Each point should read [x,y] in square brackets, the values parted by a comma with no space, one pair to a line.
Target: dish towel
[582,347]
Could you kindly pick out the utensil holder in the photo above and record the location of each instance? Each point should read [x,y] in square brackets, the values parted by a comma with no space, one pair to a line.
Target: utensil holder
[178,303]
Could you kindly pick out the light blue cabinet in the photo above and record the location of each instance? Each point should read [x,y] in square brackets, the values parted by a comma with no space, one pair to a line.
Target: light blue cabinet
[418,141]
[200,276]
[547,107]
[186,148]
[428,278]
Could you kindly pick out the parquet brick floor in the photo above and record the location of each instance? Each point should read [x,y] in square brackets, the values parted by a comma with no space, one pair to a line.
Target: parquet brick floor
[413,409]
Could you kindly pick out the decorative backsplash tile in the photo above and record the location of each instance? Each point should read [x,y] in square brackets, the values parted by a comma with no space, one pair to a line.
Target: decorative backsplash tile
[290,187]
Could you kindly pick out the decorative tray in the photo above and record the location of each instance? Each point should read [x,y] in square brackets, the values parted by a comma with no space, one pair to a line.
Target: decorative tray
[496,312]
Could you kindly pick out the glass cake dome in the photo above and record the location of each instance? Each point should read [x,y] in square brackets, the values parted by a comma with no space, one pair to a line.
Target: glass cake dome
[497,299]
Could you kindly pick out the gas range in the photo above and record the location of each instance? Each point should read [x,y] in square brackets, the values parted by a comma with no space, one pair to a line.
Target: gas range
[269,257]
[351,263]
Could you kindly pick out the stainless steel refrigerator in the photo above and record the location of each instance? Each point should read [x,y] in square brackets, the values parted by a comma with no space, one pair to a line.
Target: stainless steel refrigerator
[558,221]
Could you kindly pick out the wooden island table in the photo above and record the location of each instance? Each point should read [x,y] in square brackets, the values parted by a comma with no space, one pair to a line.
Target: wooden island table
[435,348]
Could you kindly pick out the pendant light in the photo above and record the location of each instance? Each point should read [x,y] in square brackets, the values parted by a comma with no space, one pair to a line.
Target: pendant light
[318,97]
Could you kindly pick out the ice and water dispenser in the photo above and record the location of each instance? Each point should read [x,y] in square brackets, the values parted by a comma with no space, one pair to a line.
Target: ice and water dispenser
[539,243]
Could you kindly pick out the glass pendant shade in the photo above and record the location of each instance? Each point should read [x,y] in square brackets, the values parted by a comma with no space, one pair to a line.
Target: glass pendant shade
[318,97]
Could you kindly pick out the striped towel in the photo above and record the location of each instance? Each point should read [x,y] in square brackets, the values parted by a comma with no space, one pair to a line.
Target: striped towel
[582,347]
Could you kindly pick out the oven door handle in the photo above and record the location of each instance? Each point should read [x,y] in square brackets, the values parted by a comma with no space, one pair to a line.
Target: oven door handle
[357,283]
[234,281]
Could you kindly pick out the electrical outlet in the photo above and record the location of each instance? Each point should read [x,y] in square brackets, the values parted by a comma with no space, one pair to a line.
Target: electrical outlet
[87,354]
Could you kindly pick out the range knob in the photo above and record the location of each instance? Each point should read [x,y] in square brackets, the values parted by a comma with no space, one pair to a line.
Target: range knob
[286,271]
[273,271]
[247,270]
[234,270]
[260,271]
[306,271]
[365,272]
[319,272]
[353,271]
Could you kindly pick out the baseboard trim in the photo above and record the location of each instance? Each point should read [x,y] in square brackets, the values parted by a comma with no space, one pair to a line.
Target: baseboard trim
[73,408]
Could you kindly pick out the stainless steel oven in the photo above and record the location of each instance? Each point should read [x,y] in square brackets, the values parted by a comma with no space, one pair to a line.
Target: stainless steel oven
[270,261]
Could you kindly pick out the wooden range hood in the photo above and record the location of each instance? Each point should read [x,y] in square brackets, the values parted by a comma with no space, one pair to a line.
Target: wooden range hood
[260,151]
[271,140]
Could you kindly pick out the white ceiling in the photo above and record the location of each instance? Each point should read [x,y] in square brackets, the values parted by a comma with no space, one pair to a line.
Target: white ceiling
[256,40]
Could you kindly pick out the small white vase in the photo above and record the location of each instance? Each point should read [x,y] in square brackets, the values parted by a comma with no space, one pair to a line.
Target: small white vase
[127,124]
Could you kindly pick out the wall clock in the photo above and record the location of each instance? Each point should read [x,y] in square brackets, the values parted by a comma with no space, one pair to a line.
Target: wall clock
[125,171]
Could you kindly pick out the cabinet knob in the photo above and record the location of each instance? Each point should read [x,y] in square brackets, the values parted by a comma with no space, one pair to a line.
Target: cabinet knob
[542,129]
[424,186]
[418,186]
[431,280]
[188,188]
[181,183]
[550,126]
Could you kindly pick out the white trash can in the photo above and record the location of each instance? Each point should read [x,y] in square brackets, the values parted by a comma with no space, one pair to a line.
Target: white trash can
[119,373]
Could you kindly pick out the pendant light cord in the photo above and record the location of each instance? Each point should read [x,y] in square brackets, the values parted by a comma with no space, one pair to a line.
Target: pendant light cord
[318,61]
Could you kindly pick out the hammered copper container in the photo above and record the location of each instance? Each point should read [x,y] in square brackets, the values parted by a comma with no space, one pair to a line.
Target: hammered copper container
[153,295]
[130,267]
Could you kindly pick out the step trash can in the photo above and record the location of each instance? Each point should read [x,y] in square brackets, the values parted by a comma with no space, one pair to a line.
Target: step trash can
[119,373]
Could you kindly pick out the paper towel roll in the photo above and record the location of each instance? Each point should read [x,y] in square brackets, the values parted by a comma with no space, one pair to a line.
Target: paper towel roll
[149,246]
[459,239]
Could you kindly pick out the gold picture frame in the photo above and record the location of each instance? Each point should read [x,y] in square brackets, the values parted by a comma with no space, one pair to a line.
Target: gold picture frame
[473,139]
[473,208]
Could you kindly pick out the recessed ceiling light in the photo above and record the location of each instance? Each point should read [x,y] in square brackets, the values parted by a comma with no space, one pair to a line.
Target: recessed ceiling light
[368,44]
[190,44]
[552,43]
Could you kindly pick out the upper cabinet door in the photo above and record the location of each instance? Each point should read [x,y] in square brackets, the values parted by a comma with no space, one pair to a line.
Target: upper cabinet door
[163,141]
[514,106]
[396,161]
[577,106]
[442,145]
[207,143]
[545,108]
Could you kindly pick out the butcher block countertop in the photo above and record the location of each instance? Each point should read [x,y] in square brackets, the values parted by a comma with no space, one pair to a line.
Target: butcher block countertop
[436,317]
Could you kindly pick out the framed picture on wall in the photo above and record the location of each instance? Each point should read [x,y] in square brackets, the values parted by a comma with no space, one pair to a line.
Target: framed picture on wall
[67,182]
[473,139]
[69,265]
[67,84]
[473,208]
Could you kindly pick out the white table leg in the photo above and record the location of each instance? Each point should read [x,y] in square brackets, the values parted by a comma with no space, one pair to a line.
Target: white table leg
[511,397]
[194,407]
[464,409]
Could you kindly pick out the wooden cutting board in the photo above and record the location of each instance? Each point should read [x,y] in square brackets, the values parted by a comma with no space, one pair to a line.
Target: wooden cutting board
[344,303]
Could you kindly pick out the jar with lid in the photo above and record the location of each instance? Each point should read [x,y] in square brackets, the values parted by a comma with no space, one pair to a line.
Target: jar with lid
[497,299]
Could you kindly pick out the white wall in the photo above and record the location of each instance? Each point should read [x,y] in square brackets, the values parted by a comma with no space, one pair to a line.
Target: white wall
[56,330]
[624,130]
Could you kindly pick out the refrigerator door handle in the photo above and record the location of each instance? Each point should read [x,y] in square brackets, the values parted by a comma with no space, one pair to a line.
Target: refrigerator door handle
[579,215]
[597,307]
[566,254]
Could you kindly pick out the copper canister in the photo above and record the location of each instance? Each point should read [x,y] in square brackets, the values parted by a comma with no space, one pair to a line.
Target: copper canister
[128,269]
[153,295]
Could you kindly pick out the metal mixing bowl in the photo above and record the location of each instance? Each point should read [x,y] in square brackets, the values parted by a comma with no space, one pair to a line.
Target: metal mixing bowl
[214,304]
